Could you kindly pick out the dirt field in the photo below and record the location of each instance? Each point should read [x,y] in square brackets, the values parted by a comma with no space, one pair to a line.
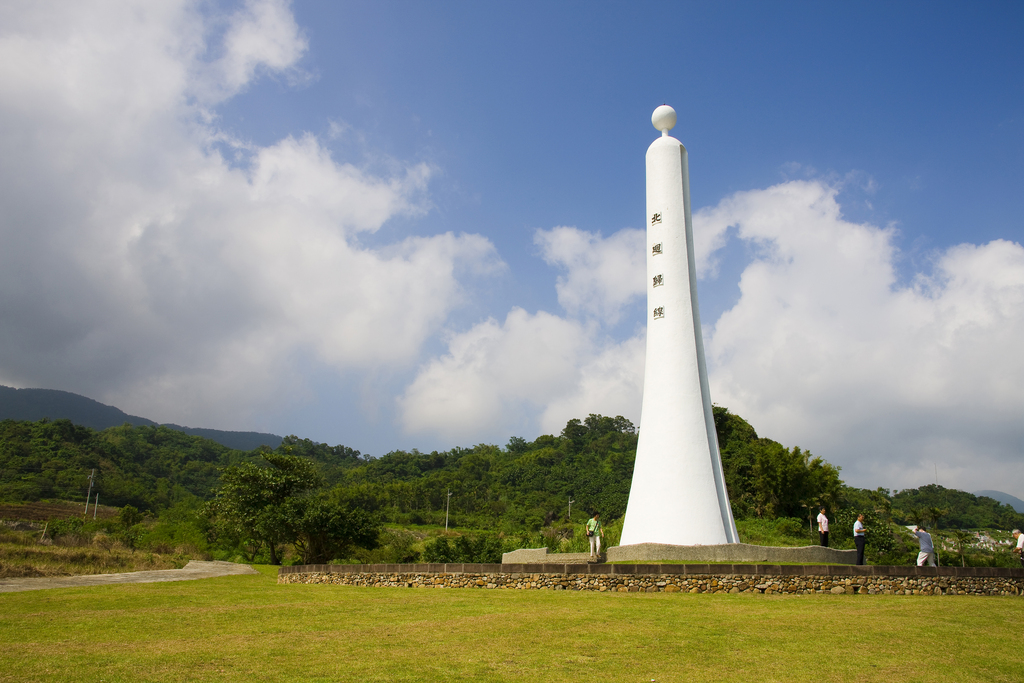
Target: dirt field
[49,510]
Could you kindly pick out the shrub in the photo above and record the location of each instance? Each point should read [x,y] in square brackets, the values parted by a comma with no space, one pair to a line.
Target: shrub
[69,532]
[466,549]
[790,526]
[397,546]
[66,527]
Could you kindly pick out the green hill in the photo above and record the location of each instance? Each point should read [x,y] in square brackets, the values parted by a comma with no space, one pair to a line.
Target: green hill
[523,485]
[50,404]
[1005,498]
[150,467]
[500,497]
[955,509]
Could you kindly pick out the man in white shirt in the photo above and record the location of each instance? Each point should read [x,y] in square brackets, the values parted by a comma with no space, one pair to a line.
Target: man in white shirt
[927,553]
[858,537]
[1020,545]
[823,528]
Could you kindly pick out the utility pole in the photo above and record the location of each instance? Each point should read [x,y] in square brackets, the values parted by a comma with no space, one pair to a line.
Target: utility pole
[95,505]
[571,501]
[88,494]
[446,505]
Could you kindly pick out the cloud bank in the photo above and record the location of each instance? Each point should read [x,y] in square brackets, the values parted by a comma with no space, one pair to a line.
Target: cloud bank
[534,371]
[891,377]
[150,260]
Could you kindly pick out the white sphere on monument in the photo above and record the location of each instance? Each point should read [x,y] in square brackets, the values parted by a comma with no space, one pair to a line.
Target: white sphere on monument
[664,118]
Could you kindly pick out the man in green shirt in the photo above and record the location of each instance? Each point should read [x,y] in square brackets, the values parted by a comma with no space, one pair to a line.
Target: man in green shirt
[595,532]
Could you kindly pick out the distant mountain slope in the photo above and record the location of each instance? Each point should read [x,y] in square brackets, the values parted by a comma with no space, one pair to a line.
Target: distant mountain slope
[36,404]
[1004,498]
[241,441]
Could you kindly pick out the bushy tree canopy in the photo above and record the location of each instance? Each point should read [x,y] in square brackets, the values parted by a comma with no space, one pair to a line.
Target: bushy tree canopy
[766,479]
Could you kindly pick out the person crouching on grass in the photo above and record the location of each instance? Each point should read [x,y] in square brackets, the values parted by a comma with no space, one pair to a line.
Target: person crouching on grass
[595,531]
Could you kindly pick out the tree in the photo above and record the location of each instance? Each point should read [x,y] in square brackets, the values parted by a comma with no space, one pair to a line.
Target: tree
[934,514]
[129,516]
[327,528]
[883,505]
[129,519]
[766,479]
[782,479]
[575,433]
[963,539]
[480,549]
[258,503]
[517,444]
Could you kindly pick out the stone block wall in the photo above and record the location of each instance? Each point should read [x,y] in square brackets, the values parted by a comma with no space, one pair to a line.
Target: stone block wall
[764,579]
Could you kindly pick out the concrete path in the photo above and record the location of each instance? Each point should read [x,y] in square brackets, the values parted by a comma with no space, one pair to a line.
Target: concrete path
[193,570]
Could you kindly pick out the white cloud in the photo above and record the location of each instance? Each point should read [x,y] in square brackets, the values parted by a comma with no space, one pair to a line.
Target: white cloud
[537,371]
[827,349]
[533,370]
[611,382]
[602,275]
[139,267]
[491,372]
[262,34]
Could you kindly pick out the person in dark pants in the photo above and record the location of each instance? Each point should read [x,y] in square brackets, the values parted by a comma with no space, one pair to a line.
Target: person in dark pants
[823,528]
[858,537]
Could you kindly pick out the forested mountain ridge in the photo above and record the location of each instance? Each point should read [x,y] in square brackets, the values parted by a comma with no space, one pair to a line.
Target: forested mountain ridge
[955,509]
[150,467]
[51,404]
[36,404]
[1004,498]
[524,485]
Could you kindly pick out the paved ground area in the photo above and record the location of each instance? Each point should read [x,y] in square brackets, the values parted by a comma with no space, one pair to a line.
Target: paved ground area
[193,570]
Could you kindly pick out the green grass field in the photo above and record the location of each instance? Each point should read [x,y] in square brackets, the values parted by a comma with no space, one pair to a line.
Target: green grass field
[248,628]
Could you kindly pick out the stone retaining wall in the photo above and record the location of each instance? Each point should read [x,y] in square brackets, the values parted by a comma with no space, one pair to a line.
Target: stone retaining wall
[767,579]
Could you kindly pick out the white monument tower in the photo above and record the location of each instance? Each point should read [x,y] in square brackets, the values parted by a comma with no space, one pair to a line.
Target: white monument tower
[678,495]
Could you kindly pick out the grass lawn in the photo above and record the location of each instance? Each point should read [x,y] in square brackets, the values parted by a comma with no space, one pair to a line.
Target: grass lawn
[248,628]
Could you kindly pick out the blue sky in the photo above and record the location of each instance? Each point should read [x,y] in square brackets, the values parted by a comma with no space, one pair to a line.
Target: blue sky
[237,215]
[536,114]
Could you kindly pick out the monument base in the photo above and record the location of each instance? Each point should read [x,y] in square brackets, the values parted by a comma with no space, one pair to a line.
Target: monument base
[731,553]
[541,555]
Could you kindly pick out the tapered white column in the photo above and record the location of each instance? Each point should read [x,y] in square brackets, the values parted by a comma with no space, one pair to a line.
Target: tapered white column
[678,495]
